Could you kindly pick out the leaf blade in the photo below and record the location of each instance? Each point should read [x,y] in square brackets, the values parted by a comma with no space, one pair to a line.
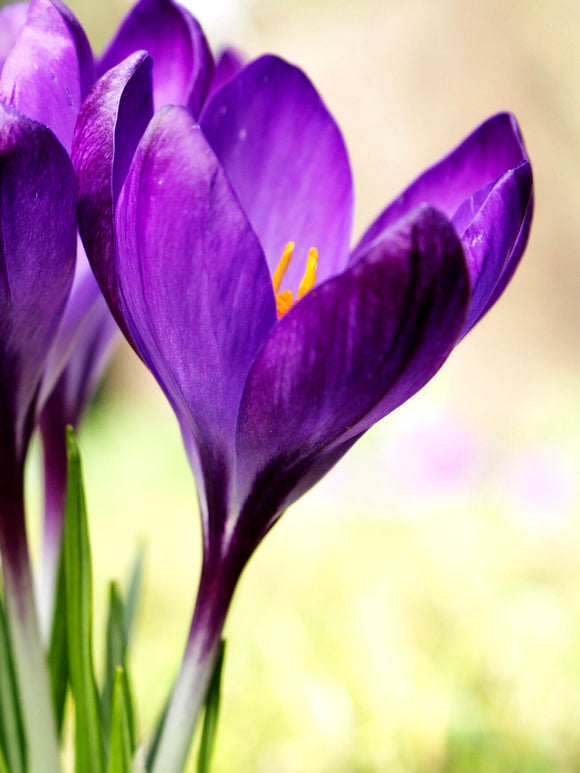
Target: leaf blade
[89,753]
[120,743]
[11,730]
[211,714]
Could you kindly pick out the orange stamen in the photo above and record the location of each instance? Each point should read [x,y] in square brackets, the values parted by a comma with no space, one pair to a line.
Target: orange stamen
[309,278]
[283,265]
[285,299]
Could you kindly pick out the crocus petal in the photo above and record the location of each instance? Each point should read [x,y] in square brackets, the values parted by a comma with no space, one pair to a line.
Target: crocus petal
[37,232]
[515,257]
[495,238]
[77,331]
[228,64]
[84,369]
[287,162]
[111,123]
[12,18]
[50,68]
[485,187]
[486,155]
[196,289]
[183,62]
[348,353]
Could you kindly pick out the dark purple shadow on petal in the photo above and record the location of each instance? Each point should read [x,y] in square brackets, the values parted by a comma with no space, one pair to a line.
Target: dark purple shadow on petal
[183,62]
[37,256]
[12,18]
[229,62]
[111,123]
[196,289]
[287,162]
[346,355]
[50,68]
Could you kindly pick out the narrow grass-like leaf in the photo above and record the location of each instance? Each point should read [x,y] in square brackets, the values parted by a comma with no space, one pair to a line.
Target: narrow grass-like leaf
[11,735]
[211,713]
[3,765]
[115,658]
[134,593]
[89,752]
[58,650]
[158,730]
[120,744]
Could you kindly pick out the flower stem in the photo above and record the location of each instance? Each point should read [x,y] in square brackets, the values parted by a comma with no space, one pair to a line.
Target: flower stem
[53,431]
[29,656]
[192,683]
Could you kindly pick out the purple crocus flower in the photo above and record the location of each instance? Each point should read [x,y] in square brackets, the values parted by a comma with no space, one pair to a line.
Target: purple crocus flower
[184,71]
[186,226]
[38,237]
[52,351]
[48,71]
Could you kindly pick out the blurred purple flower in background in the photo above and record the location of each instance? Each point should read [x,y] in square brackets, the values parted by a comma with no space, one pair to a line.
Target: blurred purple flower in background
[541,487]
[190,229]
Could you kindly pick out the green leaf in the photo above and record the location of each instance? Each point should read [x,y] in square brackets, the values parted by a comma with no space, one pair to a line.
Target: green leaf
[89,751]
[115,658]
[58,650]
[11,734]
[3,765]
[134,593]
[210,718]
[120,744]
[152,753]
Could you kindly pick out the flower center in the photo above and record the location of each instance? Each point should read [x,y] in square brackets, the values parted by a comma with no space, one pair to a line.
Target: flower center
[284,299]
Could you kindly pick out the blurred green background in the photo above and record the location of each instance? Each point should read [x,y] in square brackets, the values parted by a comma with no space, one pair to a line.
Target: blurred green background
[419,611]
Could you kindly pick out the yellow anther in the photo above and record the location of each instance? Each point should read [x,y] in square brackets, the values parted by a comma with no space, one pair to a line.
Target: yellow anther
[285,299]
[283,265]
[309,278]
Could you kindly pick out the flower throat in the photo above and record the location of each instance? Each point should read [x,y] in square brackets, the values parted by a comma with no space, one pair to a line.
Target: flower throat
[284,299]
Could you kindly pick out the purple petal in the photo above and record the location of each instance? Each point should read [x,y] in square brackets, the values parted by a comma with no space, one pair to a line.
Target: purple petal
[183,63]
[228,64]
[93,347]
[12,18]
[50,68]
[79,331]
[37,232]
[495,238]
[485,187]
[486,155]
[111,123]
[196,289]
[348,353]
[287,162]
